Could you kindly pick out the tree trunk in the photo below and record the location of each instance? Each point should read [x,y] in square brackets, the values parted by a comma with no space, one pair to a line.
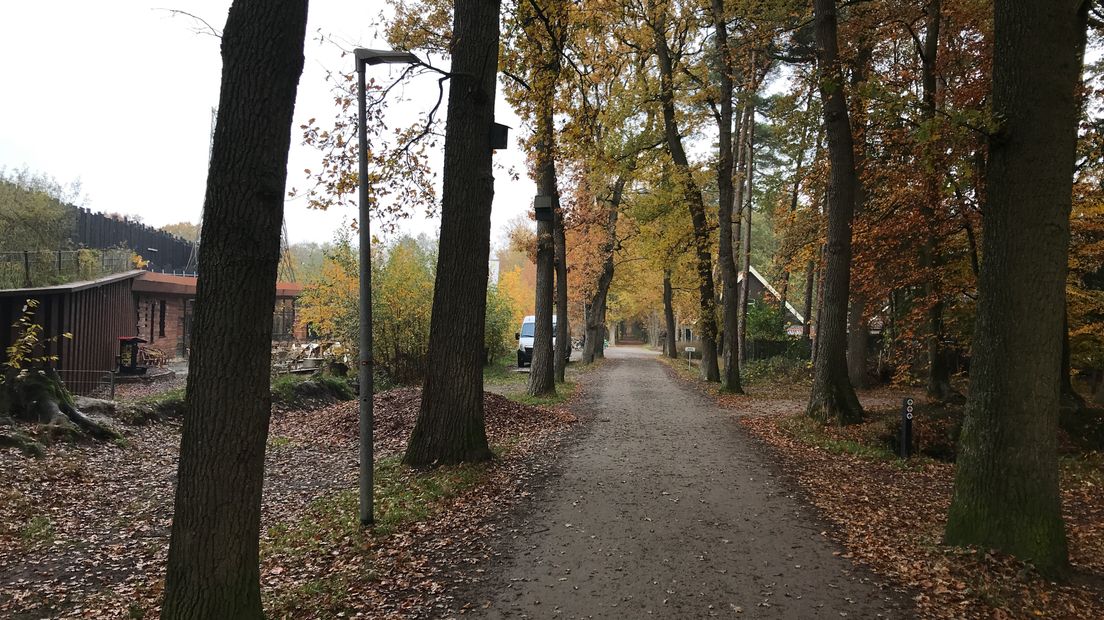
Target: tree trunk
[745,286]
[600,345]
[563,334]
[858,335]
[40,397]
[730,380]
[688,189]
[1006,492]
[543,367]
[213,569]
[833,398]
[795,194]
[807,309]
[542,371]
[592,347]
[450,426]
[857,342]
[939,371]
[669,316]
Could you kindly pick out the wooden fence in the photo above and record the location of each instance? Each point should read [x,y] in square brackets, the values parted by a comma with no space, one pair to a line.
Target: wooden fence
[96,230]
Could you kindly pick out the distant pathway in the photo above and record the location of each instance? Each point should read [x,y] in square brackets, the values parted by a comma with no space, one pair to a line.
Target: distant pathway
[665,508]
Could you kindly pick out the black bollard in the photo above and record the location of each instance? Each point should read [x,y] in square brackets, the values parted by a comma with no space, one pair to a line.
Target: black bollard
[907,409]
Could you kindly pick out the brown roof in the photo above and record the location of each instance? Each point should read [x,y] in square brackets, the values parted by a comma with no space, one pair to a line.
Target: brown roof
[77,286]
[168,284]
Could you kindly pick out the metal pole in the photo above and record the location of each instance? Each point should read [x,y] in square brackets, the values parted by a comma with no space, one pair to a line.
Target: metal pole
[367,514]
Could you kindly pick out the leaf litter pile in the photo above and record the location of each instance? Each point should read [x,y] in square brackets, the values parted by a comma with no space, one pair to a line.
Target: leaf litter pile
[84,530]
[890,515]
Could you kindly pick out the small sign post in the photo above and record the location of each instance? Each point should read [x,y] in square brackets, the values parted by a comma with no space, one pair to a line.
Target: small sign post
[907,410]
[689,354]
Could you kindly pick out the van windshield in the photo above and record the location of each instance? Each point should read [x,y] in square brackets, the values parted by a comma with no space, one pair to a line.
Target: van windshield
[527,330]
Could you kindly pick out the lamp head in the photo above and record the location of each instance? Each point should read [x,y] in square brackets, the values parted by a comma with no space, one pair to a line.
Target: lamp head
[391,57]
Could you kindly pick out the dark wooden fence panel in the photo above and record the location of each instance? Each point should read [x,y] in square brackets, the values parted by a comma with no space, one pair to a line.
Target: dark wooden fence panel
[96,230]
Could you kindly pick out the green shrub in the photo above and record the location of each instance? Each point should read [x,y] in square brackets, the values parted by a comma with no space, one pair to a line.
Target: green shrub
[498,333]
[778,369]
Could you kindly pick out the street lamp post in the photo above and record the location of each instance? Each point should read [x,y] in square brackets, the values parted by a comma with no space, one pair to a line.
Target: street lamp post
[365,57]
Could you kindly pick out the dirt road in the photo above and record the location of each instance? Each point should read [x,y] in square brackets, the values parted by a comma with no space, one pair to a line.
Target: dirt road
[664,508]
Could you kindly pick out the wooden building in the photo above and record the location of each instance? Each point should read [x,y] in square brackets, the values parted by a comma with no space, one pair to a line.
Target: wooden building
[154,306]
[164,305]
[96,312]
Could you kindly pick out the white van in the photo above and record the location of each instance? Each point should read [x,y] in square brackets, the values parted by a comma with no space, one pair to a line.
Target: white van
[525,340]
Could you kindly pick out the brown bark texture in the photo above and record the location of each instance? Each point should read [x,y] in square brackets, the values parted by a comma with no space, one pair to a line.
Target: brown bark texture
[669,316]
[1006,493]
[730,378]
[450,426]
[833,399]
[542,371]
[745,242]
[691,194]
[213,551]
[563,334]
[939,370]
[542,375]
[595,317]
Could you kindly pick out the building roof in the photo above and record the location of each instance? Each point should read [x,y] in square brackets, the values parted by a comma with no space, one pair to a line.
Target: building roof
[777,295]
[169,284]
[71,287]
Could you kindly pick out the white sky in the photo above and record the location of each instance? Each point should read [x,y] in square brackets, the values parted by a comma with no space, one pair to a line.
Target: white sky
[118,95]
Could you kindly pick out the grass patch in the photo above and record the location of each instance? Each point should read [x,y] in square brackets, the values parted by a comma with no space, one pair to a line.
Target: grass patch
[299,390]
[811,432]
[167,398]
[40,529]
[403,496]
[317,598]
[503,372]
[275,442]
[331,528]
[778,369]
[564,392]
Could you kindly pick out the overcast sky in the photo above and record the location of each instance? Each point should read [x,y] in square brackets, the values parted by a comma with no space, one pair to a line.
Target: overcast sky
[118,95]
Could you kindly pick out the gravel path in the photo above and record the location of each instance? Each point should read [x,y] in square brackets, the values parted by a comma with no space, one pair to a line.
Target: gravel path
[664,507]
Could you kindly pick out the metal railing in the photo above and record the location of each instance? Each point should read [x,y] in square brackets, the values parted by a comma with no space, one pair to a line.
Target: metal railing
[94,383]
[32,269]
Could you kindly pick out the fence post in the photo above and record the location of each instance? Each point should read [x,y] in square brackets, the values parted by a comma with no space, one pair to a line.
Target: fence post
[27,269]
[112,374]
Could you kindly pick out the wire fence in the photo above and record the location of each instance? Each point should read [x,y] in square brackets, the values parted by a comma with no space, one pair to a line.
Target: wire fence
[94,383]
[48,268]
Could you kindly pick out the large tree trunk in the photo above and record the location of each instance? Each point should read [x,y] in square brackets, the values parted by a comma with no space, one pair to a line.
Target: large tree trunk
[542,370]
[833,398]
[730,380]
[857,342]
[563,334]
[858,335]
[213,569]
[939,371]
[671,347]
[807,309]
[689,191]
[39,396]
[595,332]
[1006,484]
[450,426]
[745,285]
